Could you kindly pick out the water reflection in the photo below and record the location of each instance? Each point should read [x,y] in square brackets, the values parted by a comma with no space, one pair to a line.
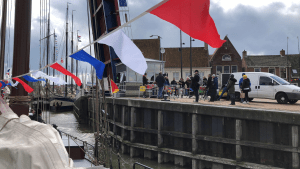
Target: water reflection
[67,122]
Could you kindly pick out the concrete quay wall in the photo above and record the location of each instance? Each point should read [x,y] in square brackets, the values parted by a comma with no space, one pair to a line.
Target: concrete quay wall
[203,136]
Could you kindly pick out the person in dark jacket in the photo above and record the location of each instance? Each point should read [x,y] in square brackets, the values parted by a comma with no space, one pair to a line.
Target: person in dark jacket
[196,85]
[160,80]
[173,82]
[214,88]
[231,88]
[246,88]
[204,81]
[145,82]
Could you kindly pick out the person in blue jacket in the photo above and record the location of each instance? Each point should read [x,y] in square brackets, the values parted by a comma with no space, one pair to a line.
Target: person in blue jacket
[240,85]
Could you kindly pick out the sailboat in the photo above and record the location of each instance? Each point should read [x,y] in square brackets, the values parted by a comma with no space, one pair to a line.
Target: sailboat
[64,103]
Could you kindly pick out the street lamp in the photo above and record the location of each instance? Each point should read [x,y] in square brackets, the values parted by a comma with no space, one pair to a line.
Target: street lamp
[191,55]
[159,37]
[181,51]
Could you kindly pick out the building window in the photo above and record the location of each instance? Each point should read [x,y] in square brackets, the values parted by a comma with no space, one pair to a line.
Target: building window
[176,75]
[257,70]
[187,74]
[219,70]
[265,81]
[282,73]
[272,70]
[226,58]
[233,69]
[226,69]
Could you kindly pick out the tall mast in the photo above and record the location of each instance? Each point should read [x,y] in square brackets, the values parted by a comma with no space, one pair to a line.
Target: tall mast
[48,41]
[21,54]
[66,86]
[72,47]
[54,53]
[3,33]
[77,60]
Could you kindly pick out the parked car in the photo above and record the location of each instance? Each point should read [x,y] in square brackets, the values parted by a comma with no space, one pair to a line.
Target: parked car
[269,86]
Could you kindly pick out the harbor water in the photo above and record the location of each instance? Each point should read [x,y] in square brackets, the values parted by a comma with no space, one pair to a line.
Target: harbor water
[67,122]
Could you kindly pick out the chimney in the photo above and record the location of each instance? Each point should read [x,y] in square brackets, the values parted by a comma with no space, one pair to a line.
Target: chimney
[282,53]
[244,54]
[205,46]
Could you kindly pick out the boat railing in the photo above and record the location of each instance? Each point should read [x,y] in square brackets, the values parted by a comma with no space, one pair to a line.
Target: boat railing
[88,149]
[142,165]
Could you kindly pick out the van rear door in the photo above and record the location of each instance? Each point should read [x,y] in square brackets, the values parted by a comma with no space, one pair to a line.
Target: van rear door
[265,88]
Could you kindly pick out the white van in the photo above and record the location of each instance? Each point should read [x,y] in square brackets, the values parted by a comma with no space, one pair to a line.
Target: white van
[269,86]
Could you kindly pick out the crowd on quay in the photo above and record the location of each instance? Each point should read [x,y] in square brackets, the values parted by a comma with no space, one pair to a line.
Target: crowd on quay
[210,86]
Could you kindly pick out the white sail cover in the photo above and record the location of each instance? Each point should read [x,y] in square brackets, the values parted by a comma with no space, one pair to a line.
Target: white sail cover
[27,144]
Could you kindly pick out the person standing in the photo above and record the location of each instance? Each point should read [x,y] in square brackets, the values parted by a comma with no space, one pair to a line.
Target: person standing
[167,83]
[174,82]
[145,82]
[240,85]
[204,81]
[231,89]
[196,85]
[160,80]
[246,88]
[209,85]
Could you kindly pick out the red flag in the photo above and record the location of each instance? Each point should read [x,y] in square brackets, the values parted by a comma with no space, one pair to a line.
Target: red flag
[114,87]
[193,18]
[59,68]
[26,87]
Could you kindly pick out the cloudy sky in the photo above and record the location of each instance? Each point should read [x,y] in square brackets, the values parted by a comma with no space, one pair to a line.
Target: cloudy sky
[257,26]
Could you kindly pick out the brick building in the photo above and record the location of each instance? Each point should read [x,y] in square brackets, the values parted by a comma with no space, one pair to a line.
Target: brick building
[172,58]
[225,59]
[276,64]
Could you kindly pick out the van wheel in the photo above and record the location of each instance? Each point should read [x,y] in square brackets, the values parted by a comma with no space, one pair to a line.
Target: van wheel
[281,98]
[293,101]
[250,99]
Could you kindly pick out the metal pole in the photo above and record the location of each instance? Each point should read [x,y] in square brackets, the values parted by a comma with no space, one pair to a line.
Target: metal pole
[191,56]
[159,48]
[3,33]
[48,41]
[181,52]
[77,60]
[66,86]
[54,59]
[72,60]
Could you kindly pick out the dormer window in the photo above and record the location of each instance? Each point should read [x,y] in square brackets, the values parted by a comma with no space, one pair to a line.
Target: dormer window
[226,58]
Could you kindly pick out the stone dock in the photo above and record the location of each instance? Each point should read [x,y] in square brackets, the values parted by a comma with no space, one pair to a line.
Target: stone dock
[200,135]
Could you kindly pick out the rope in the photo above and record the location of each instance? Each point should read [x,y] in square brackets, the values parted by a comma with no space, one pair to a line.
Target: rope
[7,123]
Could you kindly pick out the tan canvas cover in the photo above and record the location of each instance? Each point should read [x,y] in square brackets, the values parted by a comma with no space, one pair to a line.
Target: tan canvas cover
[27,144]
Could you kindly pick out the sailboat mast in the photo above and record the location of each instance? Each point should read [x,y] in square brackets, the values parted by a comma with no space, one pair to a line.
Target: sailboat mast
[21,54]
[77,60]
[72,47]
[48,41]
[66,86]
[3,33]
[54,53]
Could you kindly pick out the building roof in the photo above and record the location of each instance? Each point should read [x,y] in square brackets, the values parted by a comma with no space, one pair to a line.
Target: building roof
[226,44]
[172,57]
[149,47]
[266,60]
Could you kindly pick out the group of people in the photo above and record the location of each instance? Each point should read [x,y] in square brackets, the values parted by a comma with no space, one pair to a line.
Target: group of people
[211,85]
[162,81]
[244,85]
